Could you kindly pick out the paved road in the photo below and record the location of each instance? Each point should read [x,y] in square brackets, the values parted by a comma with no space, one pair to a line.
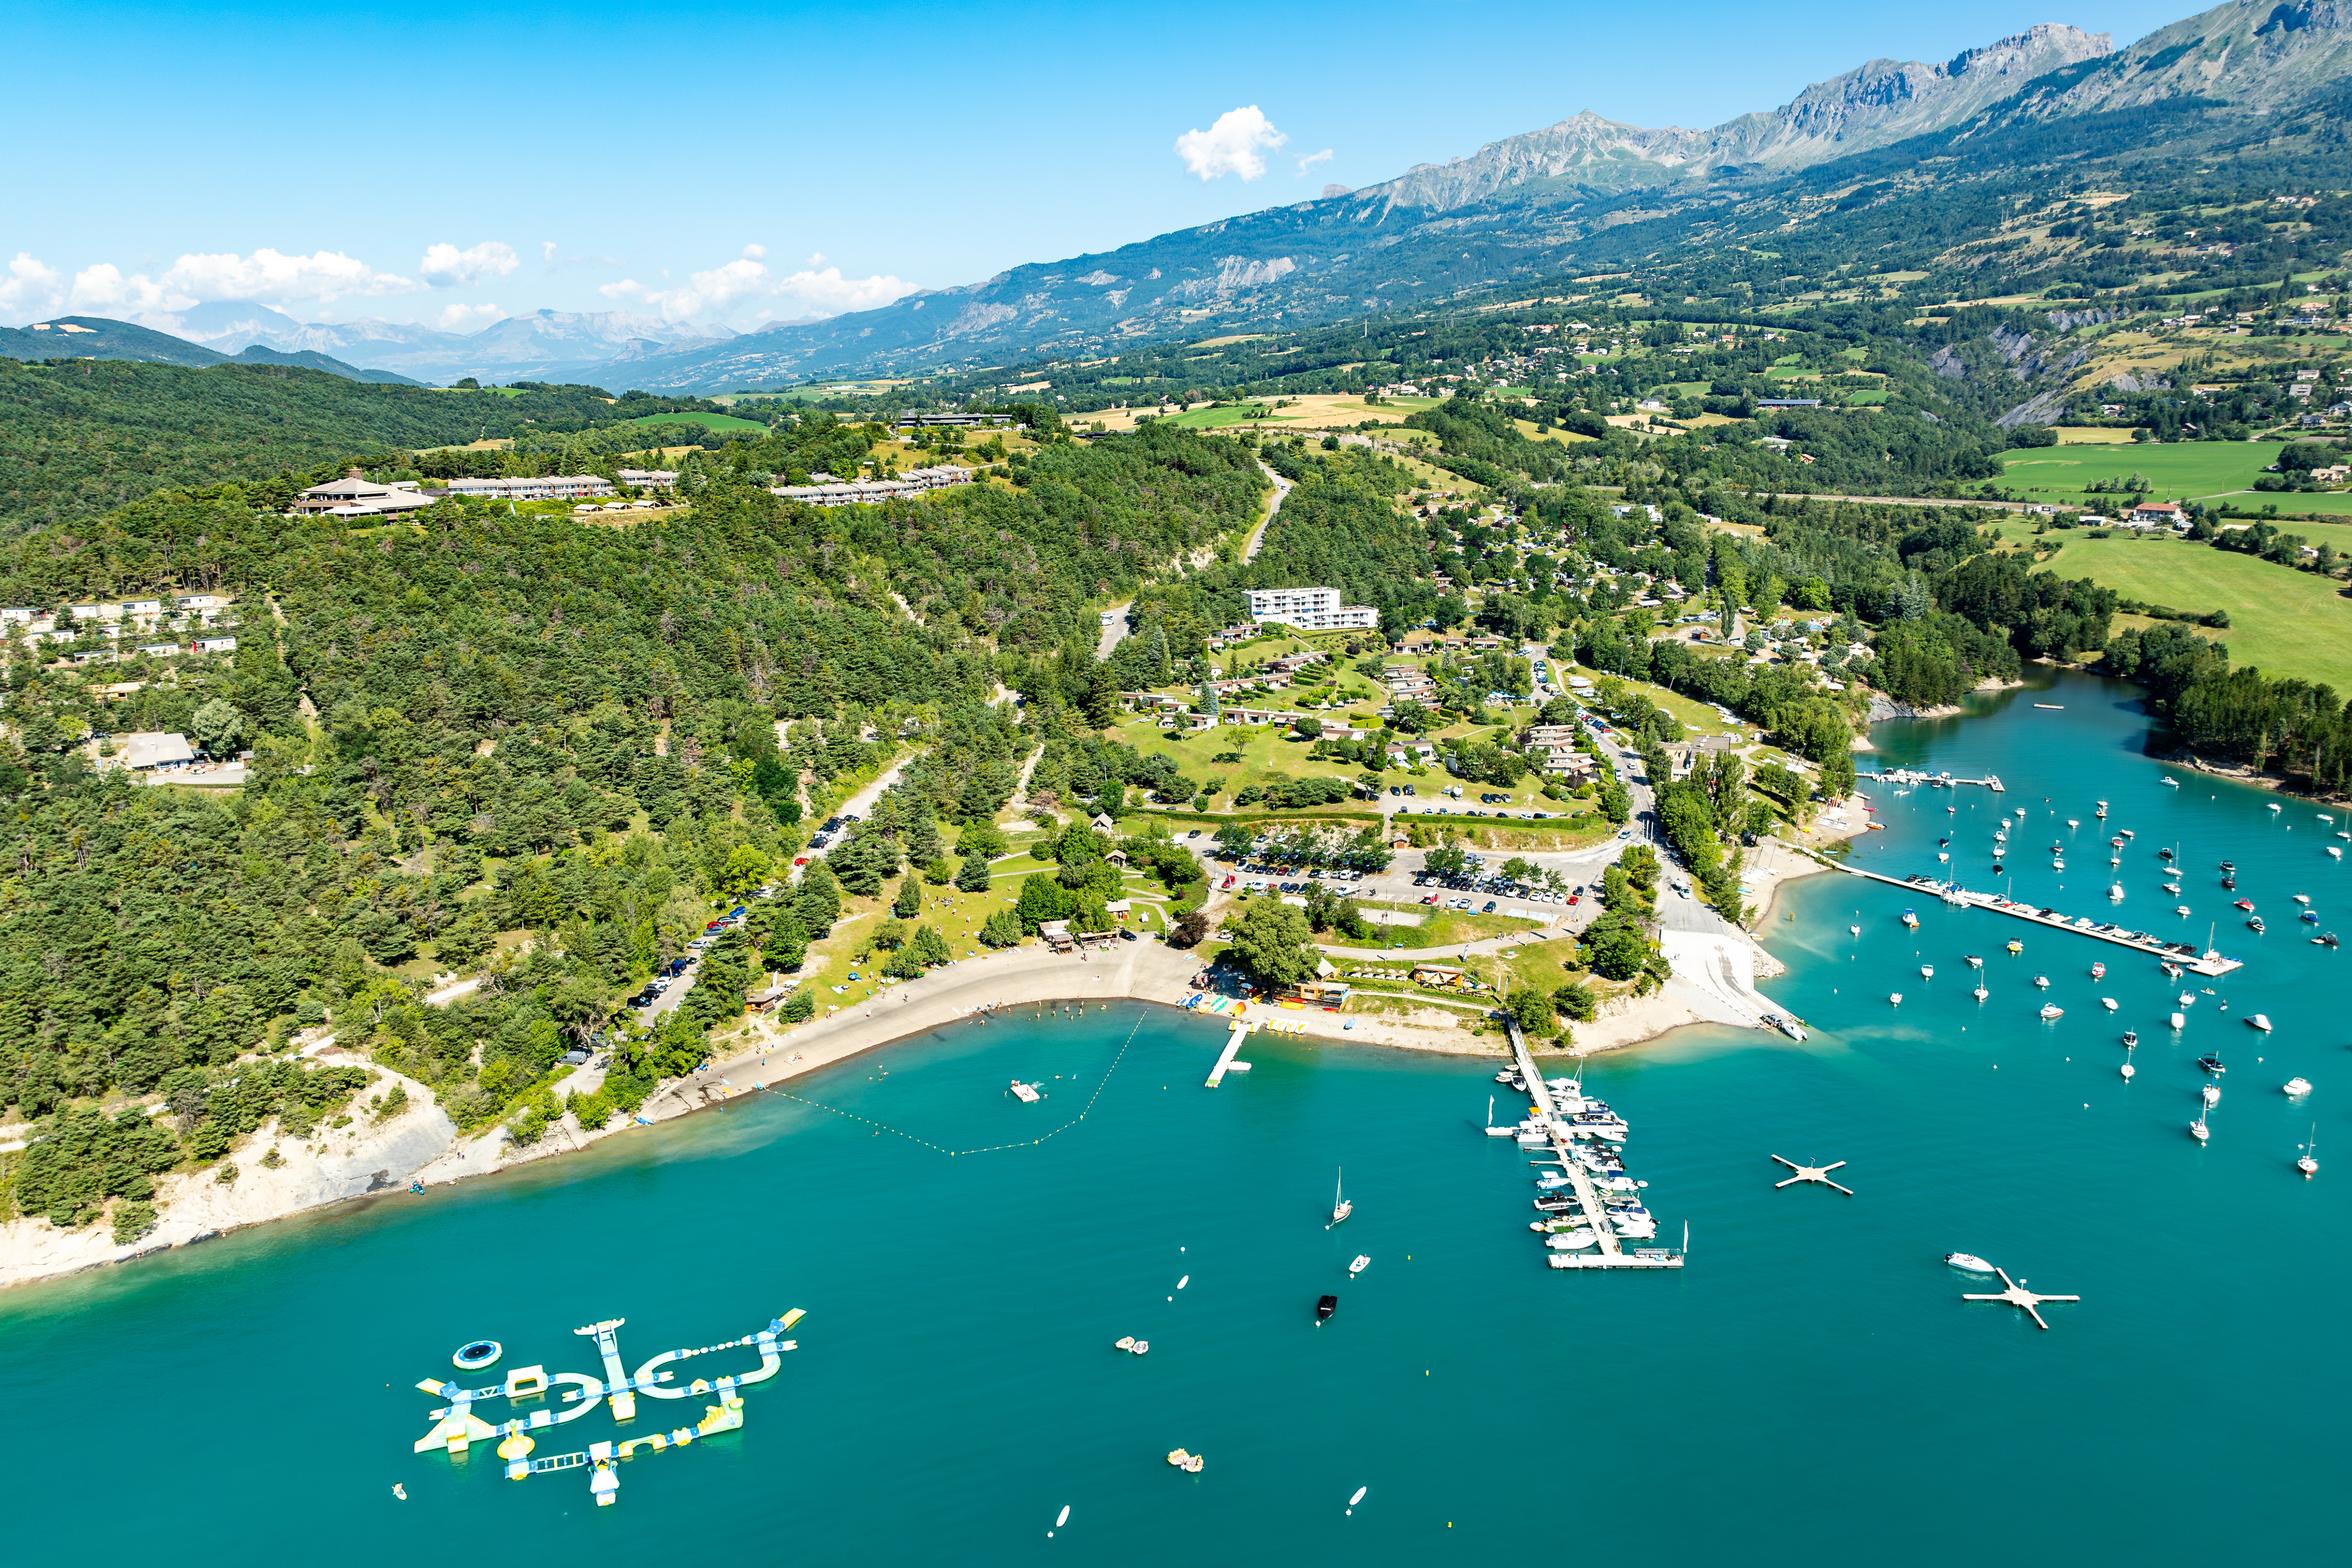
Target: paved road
[1281,494]
[1115,632]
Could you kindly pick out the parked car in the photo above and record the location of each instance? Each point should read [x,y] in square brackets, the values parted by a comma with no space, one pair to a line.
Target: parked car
[1489,908]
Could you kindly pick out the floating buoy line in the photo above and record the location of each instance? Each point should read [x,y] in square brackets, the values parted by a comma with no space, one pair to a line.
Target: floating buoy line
[988,1149]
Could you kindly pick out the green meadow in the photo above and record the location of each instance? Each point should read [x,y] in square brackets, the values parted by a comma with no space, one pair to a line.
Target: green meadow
[2177,471]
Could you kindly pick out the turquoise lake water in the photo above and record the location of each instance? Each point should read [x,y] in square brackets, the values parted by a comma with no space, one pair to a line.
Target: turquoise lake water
[1810,1389]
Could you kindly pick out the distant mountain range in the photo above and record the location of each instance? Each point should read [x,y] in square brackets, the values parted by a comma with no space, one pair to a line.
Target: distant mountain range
[96,337]
[2247,74]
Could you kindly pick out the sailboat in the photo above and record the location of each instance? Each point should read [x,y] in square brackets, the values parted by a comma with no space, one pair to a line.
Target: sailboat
[2197,1128]
[2307,1164]
[1340,1207]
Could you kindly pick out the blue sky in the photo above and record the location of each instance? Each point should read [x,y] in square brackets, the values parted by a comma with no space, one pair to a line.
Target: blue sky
[449,163]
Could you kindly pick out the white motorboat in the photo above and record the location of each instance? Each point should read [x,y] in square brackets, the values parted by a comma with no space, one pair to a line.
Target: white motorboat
[2042,982]
[2181,1020]
[1943,855]
[2302,898]
[2334,853]
[2052,1010]
[1981,992]
[2057,865]
[1975,962]
[1552,1183]
[1926,971]
[2211,1093]
[1853,930]
[2110,1003]
[2173,888]
[2171,783]
[2115,892]
[2128,1071]
[2298,1086]
[2259,1021]
[1968,1261]
[1572,1240]
[2074,822]
[1362,1261]
[2187,999]
[1644,1231]
[1896,997]
[2181,908]
[2276,807]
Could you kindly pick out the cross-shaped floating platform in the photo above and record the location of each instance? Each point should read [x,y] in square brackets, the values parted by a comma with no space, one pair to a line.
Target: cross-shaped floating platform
[2017,1295]
[1813,1174]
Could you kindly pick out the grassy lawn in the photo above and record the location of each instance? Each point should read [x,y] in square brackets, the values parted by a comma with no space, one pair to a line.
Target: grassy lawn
[2282,621]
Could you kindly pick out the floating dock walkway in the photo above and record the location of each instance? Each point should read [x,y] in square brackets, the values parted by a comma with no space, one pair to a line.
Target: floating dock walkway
[1242,1030]
[1611,1252]
[2210,963]
[1934,781]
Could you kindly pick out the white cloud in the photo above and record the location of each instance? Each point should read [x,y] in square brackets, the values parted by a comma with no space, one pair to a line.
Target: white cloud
[547,249]
[265,277]
[1236,144]
[460,318]
[447,267]
[755,251]
[821,291]
[31,289]
[1312,159]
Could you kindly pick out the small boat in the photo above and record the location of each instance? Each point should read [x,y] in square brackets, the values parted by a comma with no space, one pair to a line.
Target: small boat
[2229,884]
[2054,707]
[2181,908]
[2254,924]
[2171,783]
[2110,1003]
[2127,833]
[1131,1345]
[2259,1021]
[2057,865]
[1975,962]
[2211,1094]
[2074,822]
[1941,855]
[2042,982]
[2173,888]
[2306,1163]
[1340,1207]
[2325,939]
[1575,1240]
[2015,946]
[1981,992]
[2165,853]
[1853,930]
[2128,1071]
[2171,969]
[1968,1261]
[2245,904]
[2229,865]
[2131,1039]
[2115,892]
[402,1492]
[2197,1129]
[2103,810]
[1325,1306]
[2189,999]
[2211,1064]
[2098,971]
[2276,807]
[1191,1464]
[1896,997]
[1910,919]
[1926,971]
[2052,1010]
[1361,1262]
[2302,898]
[2334,853]
[2310,917]
[2179,1021]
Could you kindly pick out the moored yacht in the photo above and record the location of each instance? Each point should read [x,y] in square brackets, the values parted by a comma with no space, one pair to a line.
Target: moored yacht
[1968,1260]
[2052,1010]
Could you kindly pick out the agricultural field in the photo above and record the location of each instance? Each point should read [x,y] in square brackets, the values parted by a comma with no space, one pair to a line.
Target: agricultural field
[2281,621]
[2177,471]
[708,421]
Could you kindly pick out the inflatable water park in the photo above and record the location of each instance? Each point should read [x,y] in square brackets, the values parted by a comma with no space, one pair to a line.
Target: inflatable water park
[456,1427]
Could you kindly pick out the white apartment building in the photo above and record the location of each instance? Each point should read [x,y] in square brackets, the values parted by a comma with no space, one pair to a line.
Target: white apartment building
[552,487]
[1310,610]
[650,478]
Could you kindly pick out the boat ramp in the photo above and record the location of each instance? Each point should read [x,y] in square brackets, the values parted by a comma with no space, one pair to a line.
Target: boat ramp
[2185,955]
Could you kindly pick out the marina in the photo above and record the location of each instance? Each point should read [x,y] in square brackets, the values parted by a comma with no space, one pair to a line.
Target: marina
[1911,778]
[2210,963]
[1562,1129]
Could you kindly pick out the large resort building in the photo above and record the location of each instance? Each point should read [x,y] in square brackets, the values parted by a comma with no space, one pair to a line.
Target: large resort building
[1310,610]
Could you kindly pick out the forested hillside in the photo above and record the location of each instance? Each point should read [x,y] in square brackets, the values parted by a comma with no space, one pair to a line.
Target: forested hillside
[525,725]
[79,437]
